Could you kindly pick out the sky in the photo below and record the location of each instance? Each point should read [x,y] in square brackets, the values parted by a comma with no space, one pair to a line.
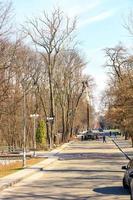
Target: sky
[100,25]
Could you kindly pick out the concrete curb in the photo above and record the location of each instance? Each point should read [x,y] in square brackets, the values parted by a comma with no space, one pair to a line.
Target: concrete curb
[16,177]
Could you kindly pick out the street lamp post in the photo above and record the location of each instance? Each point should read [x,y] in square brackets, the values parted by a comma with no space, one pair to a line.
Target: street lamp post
[24,130]
[34,116]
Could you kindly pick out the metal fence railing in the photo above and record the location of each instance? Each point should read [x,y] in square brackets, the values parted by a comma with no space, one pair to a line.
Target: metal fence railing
[9,164]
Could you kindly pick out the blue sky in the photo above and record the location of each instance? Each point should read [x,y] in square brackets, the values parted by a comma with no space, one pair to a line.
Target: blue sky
[100,25]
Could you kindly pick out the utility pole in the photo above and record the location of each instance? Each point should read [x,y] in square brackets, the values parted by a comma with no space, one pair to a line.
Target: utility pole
[34,116]
[88,104]
[88,116]
[24,129]
[51,121]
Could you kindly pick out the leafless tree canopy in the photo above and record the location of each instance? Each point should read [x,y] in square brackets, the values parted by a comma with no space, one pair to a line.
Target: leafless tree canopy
[45,78]
[118,97]
[5,18]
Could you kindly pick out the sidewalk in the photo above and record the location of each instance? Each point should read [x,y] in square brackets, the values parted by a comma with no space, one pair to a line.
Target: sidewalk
[16,177]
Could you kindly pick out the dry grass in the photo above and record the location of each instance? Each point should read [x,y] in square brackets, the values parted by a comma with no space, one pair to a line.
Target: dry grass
[7,169]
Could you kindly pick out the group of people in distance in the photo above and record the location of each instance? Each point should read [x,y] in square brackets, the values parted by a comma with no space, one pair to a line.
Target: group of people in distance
[104,136]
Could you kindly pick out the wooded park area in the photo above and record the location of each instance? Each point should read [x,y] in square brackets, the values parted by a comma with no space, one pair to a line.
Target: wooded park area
[41,72]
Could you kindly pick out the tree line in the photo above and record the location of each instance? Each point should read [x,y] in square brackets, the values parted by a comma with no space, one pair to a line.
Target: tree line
[41,72]
[118,97]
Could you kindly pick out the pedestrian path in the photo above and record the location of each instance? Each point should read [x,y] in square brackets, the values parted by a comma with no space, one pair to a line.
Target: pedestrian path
[52,156]
[84,170]
[16,177]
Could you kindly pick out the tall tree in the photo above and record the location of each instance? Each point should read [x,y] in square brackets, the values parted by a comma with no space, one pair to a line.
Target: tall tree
[50,34]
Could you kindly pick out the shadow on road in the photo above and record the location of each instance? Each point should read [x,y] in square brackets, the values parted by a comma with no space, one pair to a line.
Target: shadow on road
[81,156]
[80,170]
[114,190]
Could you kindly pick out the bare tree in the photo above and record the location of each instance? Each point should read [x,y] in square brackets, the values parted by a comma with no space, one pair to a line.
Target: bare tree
[118,95]
[6,14]
[69,88]
[50,34]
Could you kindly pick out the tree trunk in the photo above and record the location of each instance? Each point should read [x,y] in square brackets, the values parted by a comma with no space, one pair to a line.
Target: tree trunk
[126,135]
[132,140]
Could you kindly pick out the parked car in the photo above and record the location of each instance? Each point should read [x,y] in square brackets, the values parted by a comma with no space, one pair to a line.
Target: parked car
[128,177]
[90,136]
[131,185]
[80,135]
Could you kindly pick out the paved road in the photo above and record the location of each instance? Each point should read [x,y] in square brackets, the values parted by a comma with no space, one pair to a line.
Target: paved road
[83,170]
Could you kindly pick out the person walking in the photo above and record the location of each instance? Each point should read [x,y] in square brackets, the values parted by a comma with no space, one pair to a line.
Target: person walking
[110,133]
[104,137]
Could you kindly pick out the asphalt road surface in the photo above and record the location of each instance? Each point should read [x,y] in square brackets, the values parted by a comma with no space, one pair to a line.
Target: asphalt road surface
[84,170]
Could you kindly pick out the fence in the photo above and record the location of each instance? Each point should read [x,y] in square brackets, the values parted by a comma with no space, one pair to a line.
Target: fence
[10,163]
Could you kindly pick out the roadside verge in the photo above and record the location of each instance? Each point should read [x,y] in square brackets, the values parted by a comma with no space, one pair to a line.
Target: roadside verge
[16,177]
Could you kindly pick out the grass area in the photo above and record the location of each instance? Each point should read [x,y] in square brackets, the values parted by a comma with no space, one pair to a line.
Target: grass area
[7,169]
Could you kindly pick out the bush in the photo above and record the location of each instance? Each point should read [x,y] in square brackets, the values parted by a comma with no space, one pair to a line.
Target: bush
[41,138]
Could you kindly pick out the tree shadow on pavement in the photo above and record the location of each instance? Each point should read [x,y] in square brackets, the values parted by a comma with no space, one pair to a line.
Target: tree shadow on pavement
[114,190]
[92,155]
[80,170]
